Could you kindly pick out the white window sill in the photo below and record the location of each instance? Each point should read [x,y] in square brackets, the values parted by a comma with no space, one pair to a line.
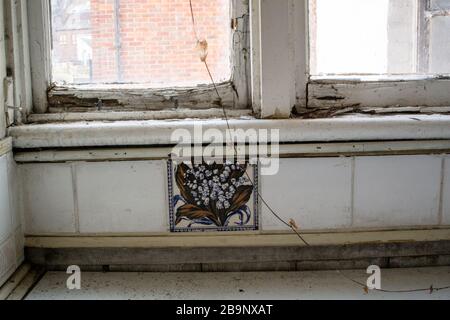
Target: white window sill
[158,132]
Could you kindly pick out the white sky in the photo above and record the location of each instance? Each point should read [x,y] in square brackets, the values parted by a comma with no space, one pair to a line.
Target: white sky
[352,36]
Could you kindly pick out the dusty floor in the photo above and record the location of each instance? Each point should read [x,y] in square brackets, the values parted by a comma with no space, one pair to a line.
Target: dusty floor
[242,286]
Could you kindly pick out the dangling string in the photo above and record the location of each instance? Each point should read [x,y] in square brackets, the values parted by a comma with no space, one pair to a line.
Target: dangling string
[292,225]
[202,47]
[194,26]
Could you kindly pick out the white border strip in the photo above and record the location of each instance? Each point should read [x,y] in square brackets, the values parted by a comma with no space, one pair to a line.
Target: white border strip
[286,151]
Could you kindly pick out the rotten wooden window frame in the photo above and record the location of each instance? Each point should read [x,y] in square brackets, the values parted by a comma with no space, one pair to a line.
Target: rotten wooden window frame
[17,76]
[328,96]
[274,67]
[51,98]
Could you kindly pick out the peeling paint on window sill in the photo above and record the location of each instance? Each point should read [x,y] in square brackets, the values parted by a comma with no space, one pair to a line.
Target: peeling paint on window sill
[158,132]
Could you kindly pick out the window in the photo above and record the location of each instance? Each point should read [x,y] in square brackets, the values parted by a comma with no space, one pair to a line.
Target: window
[128,55]
[383,37]
[139,42]
[318,58]
[378,55]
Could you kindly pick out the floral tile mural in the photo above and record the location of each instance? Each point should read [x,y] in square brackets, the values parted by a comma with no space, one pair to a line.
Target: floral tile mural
[212,196]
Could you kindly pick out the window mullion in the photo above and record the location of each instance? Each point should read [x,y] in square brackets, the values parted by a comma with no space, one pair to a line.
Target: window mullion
[39,23]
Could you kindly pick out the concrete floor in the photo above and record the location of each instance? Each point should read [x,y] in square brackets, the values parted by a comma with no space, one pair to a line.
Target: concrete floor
[241,286]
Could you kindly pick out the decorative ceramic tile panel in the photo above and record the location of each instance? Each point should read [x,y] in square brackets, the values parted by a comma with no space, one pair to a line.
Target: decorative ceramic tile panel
[212,197]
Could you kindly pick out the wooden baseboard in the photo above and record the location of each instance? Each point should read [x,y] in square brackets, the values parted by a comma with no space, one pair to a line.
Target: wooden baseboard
[200,240]
[245,252]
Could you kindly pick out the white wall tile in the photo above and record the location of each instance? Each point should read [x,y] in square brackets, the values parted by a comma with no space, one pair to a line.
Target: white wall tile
[48,202]
[5,210]
[446,192]
[315,192]
[122,197]
[11,237]
[397,191]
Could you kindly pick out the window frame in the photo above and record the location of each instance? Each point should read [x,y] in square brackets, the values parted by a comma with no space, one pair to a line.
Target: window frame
[48,98]
[337,95]
[277,82]
[280,52]
[17,80]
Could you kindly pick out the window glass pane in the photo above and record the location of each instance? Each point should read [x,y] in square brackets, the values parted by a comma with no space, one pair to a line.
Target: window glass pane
[439,26]
[440,4]
[348,38]
[440,45]
[147,42]
[378,37]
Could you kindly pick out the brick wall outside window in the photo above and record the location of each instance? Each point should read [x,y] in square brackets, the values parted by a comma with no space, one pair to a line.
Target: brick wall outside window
[157,42]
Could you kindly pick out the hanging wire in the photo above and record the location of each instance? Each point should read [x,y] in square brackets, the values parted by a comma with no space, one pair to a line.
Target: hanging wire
[291,224]
[430,290]
[194,25]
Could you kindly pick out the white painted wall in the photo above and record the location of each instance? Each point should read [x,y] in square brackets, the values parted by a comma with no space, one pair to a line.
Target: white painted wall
[2,74]
[319,193]
[11,233]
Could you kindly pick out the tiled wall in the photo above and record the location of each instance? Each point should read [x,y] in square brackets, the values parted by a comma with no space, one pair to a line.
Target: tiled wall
[361,192]
[397,191]
[316,193]
[11,233]
[113,197]
[319,193]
